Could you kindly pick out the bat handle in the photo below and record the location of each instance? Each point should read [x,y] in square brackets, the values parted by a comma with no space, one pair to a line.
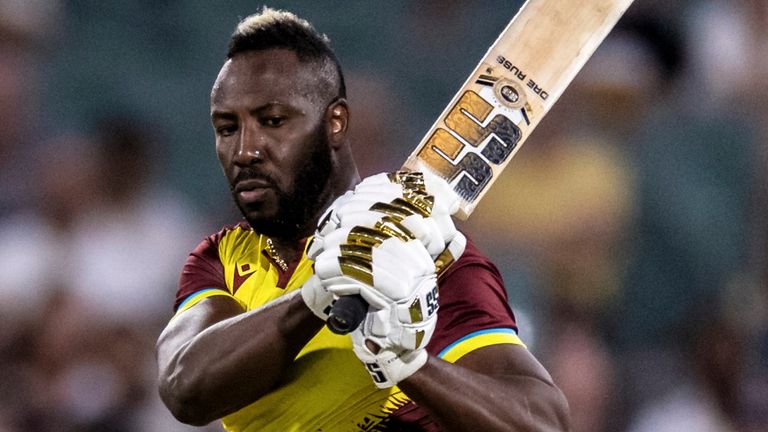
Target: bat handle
[346,314]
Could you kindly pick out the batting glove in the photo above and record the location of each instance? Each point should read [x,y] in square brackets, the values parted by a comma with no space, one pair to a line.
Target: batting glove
[391,341]
[405,325]
[384,273]
[378,341]
[317,297]
[408,205]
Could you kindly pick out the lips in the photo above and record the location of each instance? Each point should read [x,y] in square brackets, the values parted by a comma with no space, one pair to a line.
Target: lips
[252,189]
[252,184]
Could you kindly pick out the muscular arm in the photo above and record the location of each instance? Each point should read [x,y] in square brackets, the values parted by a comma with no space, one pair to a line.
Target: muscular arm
[495,388]
[215,358]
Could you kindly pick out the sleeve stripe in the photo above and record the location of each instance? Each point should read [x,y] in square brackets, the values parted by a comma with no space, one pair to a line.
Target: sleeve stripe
[479,339]
[195,298]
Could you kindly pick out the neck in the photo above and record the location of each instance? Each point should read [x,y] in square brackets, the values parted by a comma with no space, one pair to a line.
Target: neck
[338,186]
[288,250]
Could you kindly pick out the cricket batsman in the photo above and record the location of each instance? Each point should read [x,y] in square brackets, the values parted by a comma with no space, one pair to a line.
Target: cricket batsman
[438,346]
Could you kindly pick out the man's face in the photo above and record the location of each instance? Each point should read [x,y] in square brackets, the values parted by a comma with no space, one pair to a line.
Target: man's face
[271,140]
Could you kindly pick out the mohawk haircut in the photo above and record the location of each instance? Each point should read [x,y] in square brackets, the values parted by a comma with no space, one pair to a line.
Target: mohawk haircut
[272,28]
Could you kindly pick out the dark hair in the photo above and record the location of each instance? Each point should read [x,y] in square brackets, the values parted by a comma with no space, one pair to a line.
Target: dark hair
[272,28]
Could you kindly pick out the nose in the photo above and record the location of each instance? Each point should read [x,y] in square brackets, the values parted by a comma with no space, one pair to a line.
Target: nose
[250,146]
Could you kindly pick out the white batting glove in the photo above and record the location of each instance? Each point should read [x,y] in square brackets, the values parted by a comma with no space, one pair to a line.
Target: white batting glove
[328,222]
[388,364]
[391,341]
[407,324]
[415,205]
[387,368]
[317,297]
[383,274]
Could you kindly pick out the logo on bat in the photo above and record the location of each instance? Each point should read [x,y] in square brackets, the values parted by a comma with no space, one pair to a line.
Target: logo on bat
[467,125]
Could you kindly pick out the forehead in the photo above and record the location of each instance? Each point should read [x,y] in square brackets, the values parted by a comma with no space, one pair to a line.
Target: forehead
[274,75]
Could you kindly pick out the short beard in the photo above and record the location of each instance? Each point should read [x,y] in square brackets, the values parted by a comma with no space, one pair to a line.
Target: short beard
[297,209]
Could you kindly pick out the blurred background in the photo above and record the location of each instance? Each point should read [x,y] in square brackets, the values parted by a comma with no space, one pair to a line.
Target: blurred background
[630,229]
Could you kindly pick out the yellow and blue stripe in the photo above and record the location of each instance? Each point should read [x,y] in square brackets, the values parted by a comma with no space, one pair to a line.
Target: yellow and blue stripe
[479,339]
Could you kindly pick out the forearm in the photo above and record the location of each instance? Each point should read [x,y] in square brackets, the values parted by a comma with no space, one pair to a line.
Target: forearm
[233,362]
[461,399]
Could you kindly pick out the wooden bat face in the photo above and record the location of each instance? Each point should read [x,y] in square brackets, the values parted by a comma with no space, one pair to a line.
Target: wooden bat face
[516,83]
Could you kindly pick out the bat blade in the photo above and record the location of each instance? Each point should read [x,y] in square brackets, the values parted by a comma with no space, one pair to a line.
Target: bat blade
[516,83]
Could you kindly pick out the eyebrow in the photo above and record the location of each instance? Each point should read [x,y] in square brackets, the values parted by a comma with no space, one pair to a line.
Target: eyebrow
[227,115]
[222,115]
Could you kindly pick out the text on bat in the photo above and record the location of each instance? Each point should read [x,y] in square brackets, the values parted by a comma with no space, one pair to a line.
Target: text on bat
[519,74]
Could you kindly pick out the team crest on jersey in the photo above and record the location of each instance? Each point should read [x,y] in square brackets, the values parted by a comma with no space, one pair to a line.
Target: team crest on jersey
[242,272]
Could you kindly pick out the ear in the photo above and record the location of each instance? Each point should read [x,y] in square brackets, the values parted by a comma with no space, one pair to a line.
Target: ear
[337,119]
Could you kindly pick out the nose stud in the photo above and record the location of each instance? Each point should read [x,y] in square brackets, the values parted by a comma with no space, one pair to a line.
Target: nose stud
[256,156]
[247,157]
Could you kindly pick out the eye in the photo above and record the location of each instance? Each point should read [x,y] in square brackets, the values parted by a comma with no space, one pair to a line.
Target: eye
[273,121]
[226,130]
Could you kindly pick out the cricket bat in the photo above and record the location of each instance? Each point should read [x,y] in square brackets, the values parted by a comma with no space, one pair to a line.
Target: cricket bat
[516,83]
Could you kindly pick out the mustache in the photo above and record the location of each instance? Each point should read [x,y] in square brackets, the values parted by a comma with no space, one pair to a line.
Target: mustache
[251,173]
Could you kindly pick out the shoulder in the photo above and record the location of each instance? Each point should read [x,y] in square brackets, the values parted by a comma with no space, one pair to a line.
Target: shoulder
[204,268]
[473,267]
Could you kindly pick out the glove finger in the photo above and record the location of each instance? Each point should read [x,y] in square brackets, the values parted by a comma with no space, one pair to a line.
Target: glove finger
[446,199]
[327,264]
[357,235]
[402,259]
[434,232]
[427,232]
[365,199]
[333,240]
[362,217]
[316,247]
[343,286]
[316,297]
[445,226]
[412,253]
[332,264]
[378,193]
[457,246]
[376,179]
[452,252]
[329,220]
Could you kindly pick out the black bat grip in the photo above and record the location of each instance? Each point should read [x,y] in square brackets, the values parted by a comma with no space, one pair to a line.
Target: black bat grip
[346,314]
